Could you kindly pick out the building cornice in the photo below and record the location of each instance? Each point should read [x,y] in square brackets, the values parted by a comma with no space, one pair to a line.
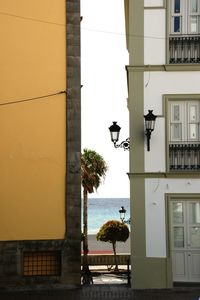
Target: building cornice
[163,68]
[177,175]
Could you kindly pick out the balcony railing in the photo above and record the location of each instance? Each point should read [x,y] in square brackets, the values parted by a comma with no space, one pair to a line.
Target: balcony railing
[184,157]
[184,50]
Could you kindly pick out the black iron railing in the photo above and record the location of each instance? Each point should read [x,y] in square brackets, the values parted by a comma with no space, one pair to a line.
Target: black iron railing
[184,50]
[184,156]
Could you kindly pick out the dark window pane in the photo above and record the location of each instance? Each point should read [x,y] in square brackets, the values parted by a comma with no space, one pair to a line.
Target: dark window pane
[177,6]
[176,24]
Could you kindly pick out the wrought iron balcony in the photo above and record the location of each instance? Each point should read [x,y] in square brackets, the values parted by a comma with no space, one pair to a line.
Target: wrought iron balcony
[184,157]
[184,50]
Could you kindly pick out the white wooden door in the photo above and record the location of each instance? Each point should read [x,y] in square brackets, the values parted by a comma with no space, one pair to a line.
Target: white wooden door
[185,240]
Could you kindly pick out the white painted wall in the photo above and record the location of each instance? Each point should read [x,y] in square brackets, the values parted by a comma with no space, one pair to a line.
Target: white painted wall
[155,190]
[157,84]
[154,37]
[155,158]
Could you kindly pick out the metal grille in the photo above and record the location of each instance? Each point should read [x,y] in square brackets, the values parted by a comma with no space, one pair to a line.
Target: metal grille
[184,156]
[43,263]
[184,50]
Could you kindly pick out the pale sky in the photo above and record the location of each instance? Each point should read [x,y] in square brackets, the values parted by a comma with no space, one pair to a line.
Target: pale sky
[104,92]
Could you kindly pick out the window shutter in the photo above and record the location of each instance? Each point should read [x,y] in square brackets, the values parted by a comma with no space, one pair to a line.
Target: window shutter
[176,122]
[193,121]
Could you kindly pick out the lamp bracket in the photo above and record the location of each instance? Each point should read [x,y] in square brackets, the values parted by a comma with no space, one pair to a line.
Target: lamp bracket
[125,144]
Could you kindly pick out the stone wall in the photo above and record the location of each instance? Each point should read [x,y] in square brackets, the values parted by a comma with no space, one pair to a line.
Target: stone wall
[73,180]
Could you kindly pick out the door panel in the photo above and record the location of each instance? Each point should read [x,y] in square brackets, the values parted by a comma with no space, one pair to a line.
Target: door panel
[194,264]
[179,266]
[185,240]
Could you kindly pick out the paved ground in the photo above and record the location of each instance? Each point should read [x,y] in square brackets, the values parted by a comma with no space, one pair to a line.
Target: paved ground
[109,278]
[106,287]
[102,292]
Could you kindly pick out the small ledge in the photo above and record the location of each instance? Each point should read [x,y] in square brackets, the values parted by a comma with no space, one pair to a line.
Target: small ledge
[174,174]
[164,68]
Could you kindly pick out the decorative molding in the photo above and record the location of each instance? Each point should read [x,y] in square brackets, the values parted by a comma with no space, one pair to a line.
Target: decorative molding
[189,174]
[176,97]
[154,7]
[163,68]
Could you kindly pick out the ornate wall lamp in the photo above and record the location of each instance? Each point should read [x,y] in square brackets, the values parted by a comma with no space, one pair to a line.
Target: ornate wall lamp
[114,133]
[122,215]
[150,119]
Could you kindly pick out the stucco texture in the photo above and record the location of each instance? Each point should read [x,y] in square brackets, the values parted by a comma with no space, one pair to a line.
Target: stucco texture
[33,134]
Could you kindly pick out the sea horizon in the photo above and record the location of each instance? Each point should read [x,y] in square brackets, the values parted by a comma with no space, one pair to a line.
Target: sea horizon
[101,210]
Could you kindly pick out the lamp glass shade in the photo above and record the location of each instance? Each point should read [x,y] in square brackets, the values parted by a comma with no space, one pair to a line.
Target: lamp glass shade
[122,213]
[150,125]
[150,119]
[114,132]
[114,136]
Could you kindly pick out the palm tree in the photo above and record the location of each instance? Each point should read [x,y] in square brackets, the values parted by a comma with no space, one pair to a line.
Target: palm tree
[93,169]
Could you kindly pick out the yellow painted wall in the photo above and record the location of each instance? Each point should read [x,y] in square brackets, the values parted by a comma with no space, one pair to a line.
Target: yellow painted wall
[32,134]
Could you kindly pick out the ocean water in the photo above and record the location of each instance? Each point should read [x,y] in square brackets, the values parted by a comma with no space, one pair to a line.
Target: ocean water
[101,210]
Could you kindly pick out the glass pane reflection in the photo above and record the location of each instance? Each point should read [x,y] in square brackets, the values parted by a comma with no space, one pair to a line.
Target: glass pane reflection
[178,237]
[194,6]
[195,237]
[177,6]
[194,213]
[178,213]
[193,24]
[176,24]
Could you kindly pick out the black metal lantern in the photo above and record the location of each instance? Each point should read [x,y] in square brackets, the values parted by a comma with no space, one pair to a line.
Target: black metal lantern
[122,213]
[150,119]
[114,133]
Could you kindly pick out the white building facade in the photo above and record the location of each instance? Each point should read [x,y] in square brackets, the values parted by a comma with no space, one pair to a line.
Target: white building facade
[163,39]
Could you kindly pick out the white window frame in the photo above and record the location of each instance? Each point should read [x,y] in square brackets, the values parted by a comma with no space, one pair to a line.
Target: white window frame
[193,14]
[193,122]
[174,122]
[184,121]
[174,14]
[185,14]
